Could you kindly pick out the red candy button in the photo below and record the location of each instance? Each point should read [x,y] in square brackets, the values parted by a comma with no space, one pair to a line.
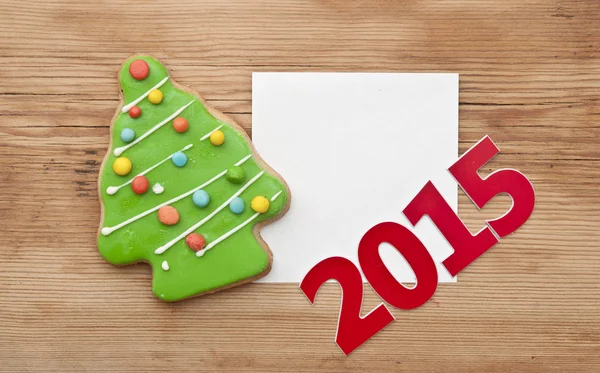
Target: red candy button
[195,241]
[135,112]
[139,69]
[140,184]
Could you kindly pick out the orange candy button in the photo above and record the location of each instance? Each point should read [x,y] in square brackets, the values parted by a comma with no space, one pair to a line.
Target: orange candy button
[180,124]
[168,215]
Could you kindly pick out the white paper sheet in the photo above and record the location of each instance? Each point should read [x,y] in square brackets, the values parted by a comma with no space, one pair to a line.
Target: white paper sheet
[354,149]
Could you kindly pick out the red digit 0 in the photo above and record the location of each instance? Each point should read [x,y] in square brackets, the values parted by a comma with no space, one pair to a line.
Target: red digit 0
[482,190]
[353,330]
[467,247]
[380,278]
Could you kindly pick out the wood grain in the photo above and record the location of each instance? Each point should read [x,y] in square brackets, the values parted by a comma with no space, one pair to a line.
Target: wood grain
[530,77]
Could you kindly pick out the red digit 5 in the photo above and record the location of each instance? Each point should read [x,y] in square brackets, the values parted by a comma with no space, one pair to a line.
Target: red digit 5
[482,190]
[353,330]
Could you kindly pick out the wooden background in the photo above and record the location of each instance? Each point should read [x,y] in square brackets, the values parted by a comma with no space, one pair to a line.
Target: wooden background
[530,77]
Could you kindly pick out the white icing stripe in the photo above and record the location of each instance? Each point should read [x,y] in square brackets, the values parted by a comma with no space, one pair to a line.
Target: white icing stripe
[137,100]
[210,133]
[166,246]
[276,195]
[114,189]
[243,160]
[108,230]
[119,151]
[228,234]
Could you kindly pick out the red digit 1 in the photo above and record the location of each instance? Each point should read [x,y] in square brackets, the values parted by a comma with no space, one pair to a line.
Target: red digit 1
[353,330]
[380,278]
[467,247]
[482,190]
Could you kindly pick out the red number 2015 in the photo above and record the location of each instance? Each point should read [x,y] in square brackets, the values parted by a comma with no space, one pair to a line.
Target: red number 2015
[353,329]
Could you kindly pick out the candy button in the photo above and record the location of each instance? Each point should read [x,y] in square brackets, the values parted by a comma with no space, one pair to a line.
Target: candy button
[235,174]
[140,184]
[168,215]
[260,204]
[127,135]
[195,241]
[217,138]
[200,198]
[155,96]
[179,159]
[180,124]
[237,205]
[135,112]
[139,69]
[122,166]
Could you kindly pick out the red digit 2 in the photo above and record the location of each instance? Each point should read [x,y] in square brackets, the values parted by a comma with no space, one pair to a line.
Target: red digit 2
[380,278]
[467,247]
[353,330]
[482,190]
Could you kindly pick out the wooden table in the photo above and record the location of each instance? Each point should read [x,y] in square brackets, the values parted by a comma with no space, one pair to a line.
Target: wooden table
[530,77]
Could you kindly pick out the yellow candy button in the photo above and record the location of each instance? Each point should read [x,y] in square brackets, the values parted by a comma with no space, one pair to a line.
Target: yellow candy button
[260,204]
[155,96]
[217,138]
[122,166]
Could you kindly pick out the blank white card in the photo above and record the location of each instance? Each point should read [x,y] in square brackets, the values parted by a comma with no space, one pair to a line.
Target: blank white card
[354,148]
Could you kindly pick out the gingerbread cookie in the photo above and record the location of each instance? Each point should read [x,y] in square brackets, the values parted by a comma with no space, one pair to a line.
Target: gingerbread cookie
[183,189]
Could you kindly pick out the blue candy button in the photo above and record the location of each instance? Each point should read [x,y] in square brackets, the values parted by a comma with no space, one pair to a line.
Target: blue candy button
[237,205]
[179,159]
[127,135]
[200,198]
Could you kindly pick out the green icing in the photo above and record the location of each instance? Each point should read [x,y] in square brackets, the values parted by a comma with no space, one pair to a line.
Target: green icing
[237,258]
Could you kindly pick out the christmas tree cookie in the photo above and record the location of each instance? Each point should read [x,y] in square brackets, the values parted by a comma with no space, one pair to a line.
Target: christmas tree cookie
[183,189]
